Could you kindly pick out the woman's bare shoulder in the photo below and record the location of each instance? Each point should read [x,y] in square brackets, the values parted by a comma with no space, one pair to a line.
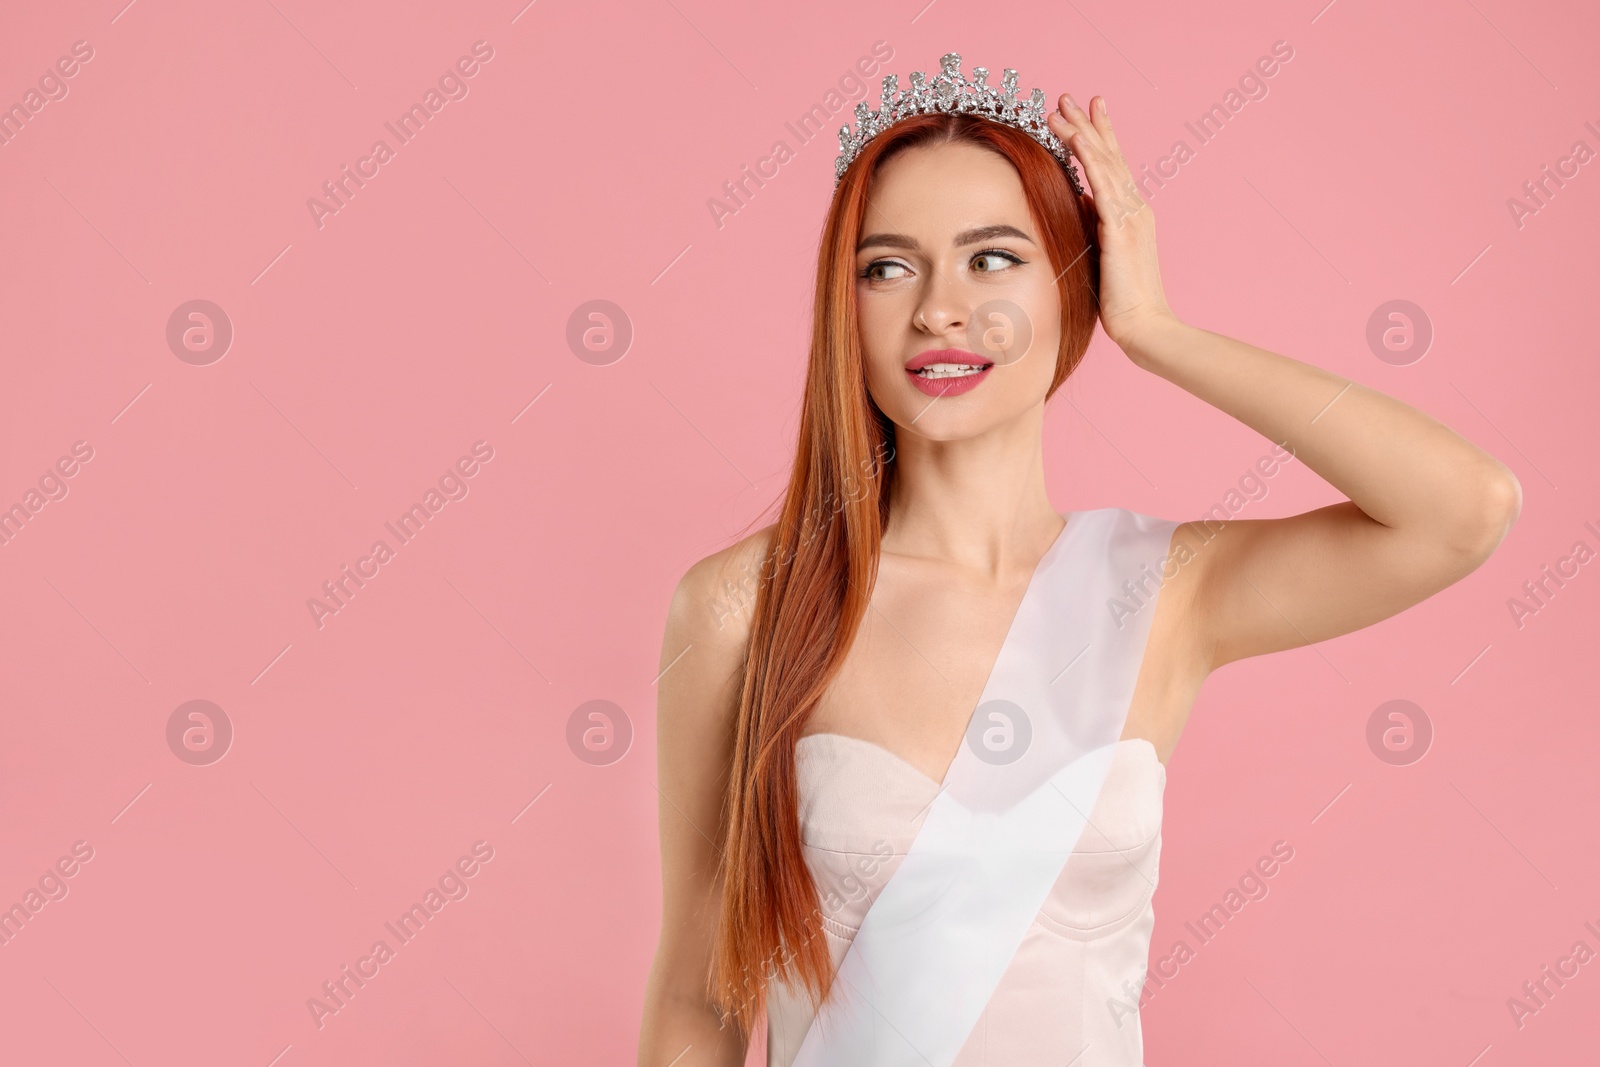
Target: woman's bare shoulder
[714,601]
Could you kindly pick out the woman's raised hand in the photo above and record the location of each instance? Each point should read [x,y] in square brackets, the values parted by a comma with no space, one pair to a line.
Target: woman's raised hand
[1132,305]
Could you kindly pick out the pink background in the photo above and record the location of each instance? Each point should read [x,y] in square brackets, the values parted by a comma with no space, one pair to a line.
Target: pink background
[370,353]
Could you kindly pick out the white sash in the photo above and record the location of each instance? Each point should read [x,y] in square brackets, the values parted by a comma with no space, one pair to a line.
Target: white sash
[933,945]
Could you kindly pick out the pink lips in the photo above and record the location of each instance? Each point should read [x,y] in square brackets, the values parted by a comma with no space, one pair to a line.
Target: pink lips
[948,386]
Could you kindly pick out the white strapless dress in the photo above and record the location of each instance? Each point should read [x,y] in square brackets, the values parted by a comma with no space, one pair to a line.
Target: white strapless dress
[1070,994]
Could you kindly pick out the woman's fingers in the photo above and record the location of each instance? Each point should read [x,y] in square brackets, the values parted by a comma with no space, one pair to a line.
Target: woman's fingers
[1075,119]
[1090,137]
[1081,140]
[1102,124]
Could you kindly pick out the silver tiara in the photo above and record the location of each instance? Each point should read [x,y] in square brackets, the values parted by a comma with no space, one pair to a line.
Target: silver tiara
[952,93]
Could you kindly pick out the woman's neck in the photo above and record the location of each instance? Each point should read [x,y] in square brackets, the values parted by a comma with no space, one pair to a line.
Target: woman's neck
[980,502]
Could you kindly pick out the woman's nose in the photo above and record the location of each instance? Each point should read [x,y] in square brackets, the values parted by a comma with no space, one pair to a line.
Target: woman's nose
[941,308]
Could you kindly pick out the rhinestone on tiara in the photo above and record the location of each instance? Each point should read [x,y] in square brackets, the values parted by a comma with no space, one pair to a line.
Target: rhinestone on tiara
[952,93]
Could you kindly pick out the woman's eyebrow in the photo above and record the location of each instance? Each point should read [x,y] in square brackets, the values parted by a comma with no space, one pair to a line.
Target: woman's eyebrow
[966,237]
[988,233]
[887,240]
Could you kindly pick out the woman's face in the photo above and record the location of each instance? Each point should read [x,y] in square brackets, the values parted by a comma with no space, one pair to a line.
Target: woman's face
[949,263]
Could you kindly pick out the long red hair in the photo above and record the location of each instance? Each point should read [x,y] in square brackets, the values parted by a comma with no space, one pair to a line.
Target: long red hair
[817,577]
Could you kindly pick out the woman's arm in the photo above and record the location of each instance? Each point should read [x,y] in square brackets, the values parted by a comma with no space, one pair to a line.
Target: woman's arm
[1426,506]
[702,657]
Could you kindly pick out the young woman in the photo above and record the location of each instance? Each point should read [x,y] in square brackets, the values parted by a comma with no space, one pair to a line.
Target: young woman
[911,783]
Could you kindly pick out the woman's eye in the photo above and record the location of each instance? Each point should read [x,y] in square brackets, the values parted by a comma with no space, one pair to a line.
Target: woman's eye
[878,271]
[990,262]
